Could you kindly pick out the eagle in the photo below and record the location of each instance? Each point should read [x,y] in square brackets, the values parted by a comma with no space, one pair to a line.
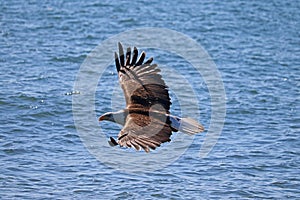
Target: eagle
[146,120]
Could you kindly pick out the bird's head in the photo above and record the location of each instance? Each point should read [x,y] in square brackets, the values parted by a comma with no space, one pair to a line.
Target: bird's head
[107,116]
[118,117]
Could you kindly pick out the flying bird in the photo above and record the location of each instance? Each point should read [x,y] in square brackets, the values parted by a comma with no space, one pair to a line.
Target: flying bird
[146,120]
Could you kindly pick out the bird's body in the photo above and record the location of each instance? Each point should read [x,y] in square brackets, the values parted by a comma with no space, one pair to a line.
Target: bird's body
[146,119]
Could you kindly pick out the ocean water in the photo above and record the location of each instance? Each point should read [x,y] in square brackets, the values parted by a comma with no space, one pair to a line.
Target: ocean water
[256,48]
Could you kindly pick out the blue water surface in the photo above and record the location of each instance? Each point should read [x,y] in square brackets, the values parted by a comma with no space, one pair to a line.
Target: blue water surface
[256,47]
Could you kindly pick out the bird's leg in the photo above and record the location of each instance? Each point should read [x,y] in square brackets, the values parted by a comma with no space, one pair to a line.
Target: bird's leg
[112,142]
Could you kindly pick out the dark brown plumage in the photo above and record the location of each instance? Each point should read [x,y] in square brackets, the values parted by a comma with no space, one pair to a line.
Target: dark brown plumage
[146,119]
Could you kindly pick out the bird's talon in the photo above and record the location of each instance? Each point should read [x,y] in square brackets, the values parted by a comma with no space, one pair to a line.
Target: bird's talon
[112,142]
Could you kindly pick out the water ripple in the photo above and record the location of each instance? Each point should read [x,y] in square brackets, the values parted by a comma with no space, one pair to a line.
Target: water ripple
[255,45]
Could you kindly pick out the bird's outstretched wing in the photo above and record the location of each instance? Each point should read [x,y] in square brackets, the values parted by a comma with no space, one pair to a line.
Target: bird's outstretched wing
[141,82]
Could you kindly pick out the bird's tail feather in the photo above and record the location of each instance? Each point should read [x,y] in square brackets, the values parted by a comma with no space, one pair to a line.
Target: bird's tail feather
[190,126]
[186,125]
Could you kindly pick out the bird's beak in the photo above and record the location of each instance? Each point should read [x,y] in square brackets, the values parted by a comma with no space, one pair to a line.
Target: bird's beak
[102,117]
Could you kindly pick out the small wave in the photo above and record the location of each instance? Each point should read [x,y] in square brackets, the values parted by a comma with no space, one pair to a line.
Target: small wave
[72,93]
